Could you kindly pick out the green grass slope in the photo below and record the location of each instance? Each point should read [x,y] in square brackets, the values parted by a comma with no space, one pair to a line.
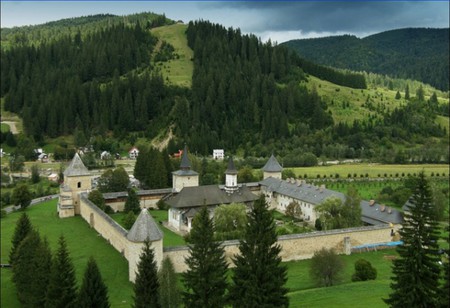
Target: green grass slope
[176,71]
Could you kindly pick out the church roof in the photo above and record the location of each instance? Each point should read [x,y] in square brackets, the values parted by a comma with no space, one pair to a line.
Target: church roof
[209,195]
[371,214]
[231,169]
[272,165]
[144,228]
[185,162]
[76,167]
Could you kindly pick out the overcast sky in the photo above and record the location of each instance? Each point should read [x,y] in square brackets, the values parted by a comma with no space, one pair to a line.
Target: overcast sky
[280,21]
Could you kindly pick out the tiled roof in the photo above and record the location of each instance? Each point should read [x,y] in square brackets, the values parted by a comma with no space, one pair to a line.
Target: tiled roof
[144,228]
[185,162]
[272,165]
[231,169]
[373,214]
[76,167]
[209,195]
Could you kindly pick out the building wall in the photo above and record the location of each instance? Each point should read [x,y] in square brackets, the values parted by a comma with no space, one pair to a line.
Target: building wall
[178,182]
[275,175]
[77,184]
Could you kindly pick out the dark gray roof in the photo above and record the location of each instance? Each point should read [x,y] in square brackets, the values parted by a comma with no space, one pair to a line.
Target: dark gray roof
[185,172]
[144,228]
[314,195]
[185,162]
[231,169]
[209,195]
[124,194]
[272,165]
[76,167]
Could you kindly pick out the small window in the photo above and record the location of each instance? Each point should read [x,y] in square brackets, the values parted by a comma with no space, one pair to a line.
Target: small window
[79,185]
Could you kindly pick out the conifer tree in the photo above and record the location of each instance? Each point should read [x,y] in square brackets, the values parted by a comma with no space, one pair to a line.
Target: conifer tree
[415,281]
[407,92]
[62,288]
[146,285]
[168,291]
[23,228]
[444,298]
[132,204]
[31,270]
[93,291]
[259,278]
[205,280]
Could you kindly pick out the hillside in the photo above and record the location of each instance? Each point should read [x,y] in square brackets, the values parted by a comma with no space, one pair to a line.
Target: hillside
[123,83]
[420,54]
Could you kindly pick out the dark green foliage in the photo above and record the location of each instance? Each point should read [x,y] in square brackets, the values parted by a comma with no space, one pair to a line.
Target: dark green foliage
[114,181]
[326,267]
[97,198]
[415,280]
[21,196]
[23,228]
[150,169]
[205,280]
[93,291]
[398,95]
[169,293]
[245,175]
[444,292]
[132,204]
[405,53]
[62,287]
[129,220]
[259,278]
[352,208]
[35,178]
[230,221]
[364,271]
[31,270]
[146,285]
[16,162]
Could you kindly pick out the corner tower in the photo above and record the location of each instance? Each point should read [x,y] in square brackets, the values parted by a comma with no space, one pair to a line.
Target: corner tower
[184,177]
[272,168]
[76,179]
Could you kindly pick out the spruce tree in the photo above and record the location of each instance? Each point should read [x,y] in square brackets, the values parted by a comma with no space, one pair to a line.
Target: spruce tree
[169,294]
[146,286]
[259,278]
[93,291]
[31,270]
[23,228]
[205,280]
[444,296]
[62,288]
[415,281]
[132,204]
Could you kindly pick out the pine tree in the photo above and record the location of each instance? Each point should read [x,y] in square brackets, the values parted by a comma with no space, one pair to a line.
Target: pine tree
[132,204]
[407,92]
[31,270]
[445,288]
[205,280]
[168,291]
[23,228]
[259,278]
[62,288]
[146,285]
[93,291]
[416,271]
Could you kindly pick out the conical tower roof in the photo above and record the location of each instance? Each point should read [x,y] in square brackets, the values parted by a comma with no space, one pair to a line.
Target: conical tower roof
[272,165]
[185,162]
[144,228]
[76,167]
[231,169]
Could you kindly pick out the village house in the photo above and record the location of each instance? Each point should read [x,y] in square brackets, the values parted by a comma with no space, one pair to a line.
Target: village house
[133,153]
[218,154]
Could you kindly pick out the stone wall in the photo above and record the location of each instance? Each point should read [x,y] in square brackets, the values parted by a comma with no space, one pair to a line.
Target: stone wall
[299,246]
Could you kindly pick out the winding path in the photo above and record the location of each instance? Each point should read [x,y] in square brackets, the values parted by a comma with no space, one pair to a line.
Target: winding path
[12,126]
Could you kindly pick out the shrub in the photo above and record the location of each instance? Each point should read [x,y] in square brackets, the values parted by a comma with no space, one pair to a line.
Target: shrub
[109,210]
[128,220]
[364,271]
[2,213]
[162,205]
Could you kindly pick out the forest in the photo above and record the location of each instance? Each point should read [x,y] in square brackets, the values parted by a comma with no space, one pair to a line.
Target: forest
[247,96]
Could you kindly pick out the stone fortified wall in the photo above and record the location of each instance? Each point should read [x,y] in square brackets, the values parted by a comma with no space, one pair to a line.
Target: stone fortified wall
[293,247]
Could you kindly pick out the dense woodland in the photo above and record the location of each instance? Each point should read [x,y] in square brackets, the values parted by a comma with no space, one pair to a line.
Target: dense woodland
[420,54]
[247,96]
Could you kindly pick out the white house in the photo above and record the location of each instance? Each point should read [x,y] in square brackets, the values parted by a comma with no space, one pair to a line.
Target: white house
[133,153]
[218,154]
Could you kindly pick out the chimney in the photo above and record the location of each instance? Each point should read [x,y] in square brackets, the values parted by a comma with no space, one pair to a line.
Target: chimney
[371,202]
[382,207]
[389,210]
[322,188]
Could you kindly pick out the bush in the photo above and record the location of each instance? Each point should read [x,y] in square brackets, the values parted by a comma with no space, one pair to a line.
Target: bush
[162,205]
[2,213]
[364,271]
[109,210]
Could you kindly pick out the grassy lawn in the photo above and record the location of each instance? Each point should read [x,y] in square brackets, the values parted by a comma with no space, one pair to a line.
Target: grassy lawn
[372,170]
[177,71]
[4,127]
[82,242]
[170,237]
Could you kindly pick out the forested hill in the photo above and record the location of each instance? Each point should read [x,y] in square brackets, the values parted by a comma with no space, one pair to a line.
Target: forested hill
[413,53]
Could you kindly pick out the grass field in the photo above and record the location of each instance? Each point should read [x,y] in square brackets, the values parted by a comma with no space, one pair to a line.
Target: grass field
[372,170]
[4,127]
[177,71]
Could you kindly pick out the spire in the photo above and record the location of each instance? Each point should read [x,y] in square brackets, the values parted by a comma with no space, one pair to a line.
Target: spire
[231,169]
[272,165]
[76,167]
[144,228]
[185,162]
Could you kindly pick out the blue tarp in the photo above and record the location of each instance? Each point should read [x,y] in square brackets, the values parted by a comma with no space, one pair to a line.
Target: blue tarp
[378,245]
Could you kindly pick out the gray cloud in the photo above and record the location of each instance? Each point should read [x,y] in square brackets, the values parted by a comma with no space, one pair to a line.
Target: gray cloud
[352,17]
